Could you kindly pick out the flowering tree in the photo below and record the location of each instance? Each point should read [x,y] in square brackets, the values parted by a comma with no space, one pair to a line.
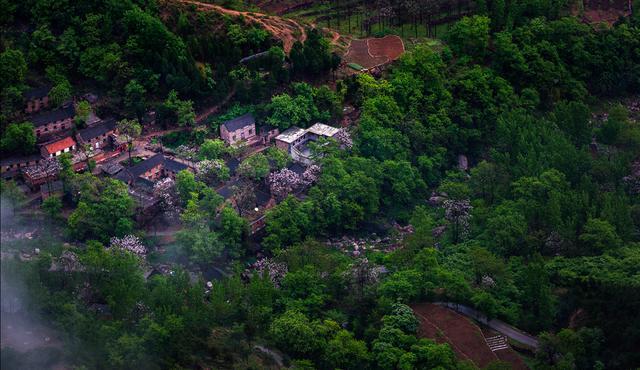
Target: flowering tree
[129,243]
[311,174]
[344,138]
[212,170]
[165,190]
[276,270]
[186,152]
[283,182]
[458,213]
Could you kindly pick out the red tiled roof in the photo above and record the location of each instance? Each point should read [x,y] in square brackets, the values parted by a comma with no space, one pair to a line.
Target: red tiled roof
[60,145]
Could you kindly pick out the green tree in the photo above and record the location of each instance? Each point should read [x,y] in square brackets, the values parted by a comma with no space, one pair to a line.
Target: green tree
[109,214]
[60,93]
[186,185]
[134,98]
[294,332]
[256,167]
[130,129]
[18,138]
[470,36]
[13,67]
[287,223]
[599,236]
[343,351]
[278,157]
[52,207]
[212,149]
[232,229]
[116,275]
[180,110]
[287,111]
[83,109]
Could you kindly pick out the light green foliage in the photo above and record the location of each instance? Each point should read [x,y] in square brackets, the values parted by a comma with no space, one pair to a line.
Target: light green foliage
[60,93]
[294,331]
[306,106]
[83,109]
[279,157]
[255,167]
[212,149]
[599,236]
[180,110]
[186,185]
[346,352]
[52,207]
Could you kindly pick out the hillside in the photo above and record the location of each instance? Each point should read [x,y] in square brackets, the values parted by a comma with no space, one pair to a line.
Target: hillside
[322,185]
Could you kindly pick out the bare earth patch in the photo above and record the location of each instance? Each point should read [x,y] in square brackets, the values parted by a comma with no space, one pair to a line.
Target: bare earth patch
[373,52]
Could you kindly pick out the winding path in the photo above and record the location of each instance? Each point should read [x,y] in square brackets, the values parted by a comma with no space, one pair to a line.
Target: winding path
[497,325]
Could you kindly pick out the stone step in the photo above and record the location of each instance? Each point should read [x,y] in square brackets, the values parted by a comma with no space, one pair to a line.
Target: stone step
[497,343]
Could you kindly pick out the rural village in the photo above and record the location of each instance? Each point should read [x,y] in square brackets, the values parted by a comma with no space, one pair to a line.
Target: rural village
[299,184]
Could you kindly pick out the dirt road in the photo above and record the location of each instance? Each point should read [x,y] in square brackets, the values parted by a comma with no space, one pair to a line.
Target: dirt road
[287,30]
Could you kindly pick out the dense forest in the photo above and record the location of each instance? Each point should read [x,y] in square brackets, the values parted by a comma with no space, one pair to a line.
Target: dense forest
[511,148]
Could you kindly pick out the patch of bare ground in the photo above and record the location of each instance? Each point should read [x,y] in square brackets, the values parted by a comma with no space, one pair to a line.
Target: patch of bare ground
[446,326]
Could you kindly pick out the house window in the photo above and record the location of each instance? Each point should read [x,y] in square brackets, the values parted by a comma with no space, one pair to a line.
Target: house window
[233,137]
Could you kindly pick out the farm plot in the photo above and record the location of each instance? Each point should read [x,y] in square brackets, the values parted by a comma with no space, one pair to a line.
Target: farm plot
[374,52]
[445,325]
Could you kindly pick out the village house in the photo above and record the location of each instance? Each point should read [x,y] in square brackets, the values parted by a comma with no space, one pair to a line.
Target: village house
[9,167]
[45,172]
[151,170]
[98,136]
[36,99]
[294,140]
[50,122]
[58,147]
[268,133]
[239,129]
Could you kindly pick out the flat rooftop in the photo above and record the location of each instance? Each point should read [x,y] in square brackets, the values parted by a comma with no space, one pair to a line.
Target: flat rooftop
[291,134]
[321,129]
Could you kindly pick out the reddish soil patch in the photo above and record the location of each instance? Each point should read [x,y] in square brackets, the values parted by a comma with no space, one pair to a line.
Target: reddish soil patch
[607,11]
[508,355]
[359,53]
[445,325]
[373,52]
[390,46]
[287,30]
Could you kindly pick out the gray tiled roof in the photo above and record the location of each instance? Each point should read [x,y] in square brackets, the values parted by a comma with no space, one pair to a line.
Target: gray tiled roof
[239,122]
[97,130]
[37,92]
[44,118]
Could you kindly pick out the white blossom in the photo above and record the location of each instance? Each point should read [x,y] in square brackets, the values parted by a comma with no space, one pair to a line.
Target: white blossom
[311,174]
[458,213]
[129,243]
[276,270]
[344,138]
[165,190]
[284,182]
